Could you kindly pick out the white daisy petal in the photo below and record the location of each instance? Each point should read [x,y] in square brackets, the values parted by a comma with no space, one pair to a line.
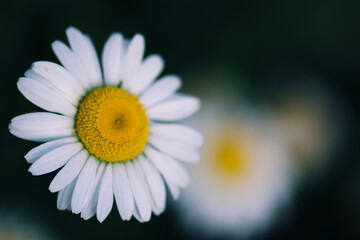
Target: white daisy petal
[69,172]
[106,196]
[90,208]
[137,215]
[140,191]
[44,96]
[132,59]
[41,121]
[111,59]
[84,185]
[83,48]
[174,190]
[160,90]
[65,195]
[154,181]
[55,159]
[60,78]
[41,126]
[178,132]
[71,62]
[44,148]
[41,136]
[176,149]
[33,75]
[157,210]
[30,73]
[122,191]
[174,109]
[172,170]
[148,71]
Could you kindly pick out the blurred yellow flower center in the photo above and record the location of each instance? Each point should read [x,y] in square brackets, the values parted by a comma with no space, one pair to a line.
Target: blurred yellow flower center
[230,158]
[112,124]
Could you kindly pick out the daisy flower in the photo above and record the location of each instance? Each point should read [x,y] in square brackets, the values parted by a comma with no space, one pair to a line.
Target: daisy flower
[108,130]
[242,180]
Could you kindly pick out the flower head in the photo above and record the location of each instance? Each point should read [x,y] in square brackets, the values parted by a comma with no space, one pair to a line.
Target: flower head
[242,180]
[109,130]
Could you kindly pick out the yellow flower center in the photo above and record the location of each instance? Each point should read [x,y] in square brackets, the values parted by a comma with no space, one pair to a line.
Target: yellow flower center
[112,124]
[230,158]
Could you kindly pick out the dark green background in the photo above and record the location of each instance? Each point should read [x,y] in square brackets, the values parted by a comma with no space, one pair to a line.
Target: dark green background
[268,41]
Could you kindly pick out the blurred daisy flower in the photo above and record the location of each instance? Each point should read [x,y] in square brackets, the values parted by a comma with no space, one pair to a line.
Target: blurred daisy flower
[243,178]
[110,131]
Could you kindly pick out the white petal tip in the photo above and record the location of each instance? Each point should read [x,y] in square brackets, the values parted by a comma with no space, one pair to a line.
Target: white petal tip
[53,188]
[126,218]
[55,43]
[139,37]
[86,217]
[101,219]
[11,128]
[31,170]
[72,29]
[116,36]
[77,211]
[147,219]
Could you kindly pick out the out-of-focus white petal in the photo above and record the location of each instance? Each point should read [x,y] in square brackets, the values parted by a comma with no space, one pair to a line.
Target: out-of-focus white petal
[147,73]
[177,132]
[157,210]
[137,215]
[112,59]
[176,149]
[132,59]
[174,109]
[174,190]
[160,90]
[172,170]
